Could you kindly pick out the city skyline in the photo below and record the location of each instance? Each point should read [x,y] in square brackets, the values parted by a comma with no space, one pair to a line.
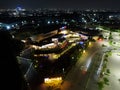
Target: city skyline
[65,4]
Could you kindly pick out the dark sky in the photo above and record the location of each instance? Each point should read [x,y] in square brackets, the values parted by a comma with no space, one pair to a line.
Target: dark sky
[114,4]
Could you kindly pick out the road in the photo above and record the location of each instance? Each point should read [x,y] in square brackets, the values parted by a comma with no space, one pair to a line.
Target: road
[76,79]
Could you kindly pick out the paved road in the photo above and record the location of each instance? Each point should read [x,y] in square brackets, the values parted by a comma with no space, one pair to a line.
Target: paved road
[93,77]
[76,80]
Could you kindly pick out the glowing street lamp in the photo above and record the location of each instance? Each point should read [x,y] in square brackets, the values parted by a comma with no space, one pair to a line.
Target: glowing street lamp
[89,43]
[84,51]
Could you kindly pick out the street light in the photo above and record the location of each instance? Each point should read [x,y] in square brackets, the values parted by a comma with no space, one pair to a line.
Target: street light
[84,51]
[89,43]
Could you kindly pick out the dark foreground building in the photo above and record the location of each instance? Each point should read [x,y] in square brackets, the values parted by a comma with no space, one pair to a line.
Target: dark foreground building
[11,77]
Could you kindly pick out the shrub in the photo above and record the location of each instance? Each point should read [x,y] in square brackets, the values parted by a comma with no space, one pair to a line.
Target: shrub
[100,85]
[106,81]
[108,70]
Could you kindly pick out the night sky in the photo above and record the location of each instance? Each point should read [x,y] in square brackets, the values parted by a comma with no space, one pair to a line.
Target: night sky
[82,4]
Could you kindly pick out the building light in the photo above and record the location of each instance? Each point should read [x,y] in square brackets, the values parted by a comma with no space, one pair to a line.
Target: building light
[8,27]
[53,80]
[48,22]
